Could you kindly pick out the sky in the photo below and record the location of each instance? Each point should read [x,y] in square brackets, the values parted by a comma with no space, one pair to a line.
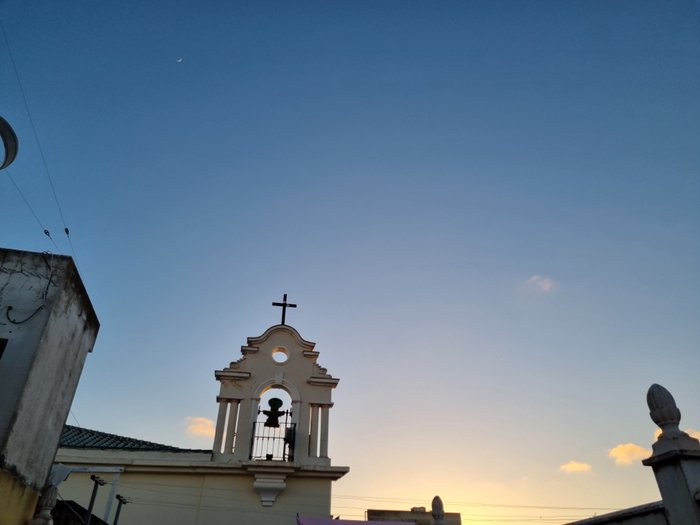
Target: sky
[486,211]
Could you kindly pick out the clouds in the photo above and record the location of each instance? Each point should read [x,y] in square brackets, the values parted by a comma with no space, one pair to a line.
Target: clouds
[199,427]
[628,454]
[693,433]
[690,431]
[575,467]
[624,455]
[539,284]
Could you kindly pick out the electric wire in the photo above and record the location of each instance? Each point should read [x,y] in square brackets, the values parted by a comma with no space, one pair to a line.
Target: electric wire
[157,490]
[476,515]
[71,508]
[181,505]
[472,504]
[466,517]
[38,142]
[76,419]
[31,209]
[377,499]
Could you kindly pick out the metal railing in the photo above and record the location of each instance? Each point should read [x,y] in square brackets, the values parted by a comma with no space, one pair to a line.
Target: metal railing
[273,443]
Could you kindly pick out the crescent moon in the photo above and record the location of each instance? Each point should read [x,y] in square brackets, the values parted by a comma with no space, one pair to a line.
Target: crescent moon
[9,140]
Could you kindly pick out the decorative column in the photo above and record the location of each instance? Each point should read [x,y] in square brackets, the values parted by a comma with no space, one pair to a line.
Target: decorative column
[231,428]
[313,440]
[234,403]
[301,446]
[246,417]
[220,420]
[324,430]
[675,460]
[46,504]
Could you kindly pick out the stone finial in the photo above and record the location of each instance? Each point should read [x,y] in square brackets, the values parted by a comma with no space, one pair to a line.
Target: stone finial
[438,510]
[676,460]
[663,411]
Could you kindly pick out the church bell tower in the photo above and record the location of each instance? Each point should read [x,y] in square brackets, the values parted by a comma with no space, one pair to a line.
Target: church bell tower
[274,410]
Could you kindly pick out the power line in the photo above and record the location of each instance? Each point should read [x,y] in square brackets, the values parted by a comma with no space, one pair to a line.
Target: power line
[76,419]
[471,504]
[185,491]
[38,143]
[31,209]
[70,508]
[377,499]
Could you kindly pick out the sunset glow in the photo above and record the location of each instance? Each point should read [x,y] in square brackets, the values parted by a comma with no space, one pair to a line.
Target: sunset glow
[486,213]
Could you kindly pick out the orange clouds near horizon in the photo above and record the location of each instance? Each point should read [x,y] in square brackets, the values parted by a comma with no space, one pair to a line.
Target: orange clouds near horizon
[575,466]
[690,431]
[628,453]
[693,433]
[199,427]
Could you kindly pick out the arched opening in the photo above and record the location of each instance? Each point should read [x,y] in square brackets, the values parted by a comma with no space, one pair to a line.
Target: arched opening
[274,432]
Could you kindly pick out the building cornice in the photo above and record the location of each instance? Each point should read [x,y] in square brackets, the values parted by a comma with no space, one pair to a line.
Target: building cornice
[192,462]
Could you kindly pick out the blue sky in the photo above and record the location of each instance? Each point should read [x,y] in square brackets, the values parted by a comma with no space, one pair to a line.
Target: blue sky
[487,212]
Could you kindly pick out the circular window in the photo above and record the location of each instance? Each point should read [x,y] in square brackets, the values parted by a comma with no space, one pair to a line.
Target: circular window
[280,355]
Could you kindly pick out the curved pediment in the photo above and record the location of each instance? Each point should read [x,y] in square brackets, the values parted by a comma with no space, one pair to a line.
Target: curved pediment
[277,339]
[259,340]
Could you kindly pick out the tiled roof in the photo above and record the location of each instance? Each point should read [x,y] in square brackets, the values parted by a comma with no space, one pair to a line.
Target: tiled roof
[76,437]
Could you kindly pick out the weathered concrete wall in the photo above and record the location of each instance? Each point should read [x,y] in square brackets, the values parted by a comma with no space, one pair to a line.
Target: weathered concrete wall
[23,281]
[50,326]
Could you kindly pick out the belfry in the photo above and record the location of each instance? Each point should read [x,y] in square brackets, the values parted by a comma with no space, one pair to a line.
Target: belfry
[276,440]
[269,460]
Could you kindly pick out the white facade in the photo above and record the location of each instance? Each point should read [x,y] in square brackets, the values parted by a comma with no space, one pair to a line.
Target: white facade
[232,483]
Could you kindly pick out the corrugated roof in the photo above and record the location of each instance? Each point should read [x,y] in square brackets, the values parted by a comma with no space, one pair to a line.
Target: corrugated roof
[76,437]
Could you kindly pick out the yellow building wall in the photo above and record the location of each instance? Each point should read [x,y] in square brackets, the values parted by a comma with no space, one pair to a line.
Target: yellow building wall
[17,501]
[198,499]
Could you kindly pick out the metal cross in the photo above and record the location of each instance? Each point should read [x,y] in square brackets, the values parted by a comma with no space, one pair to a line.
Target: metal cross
[284,304]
